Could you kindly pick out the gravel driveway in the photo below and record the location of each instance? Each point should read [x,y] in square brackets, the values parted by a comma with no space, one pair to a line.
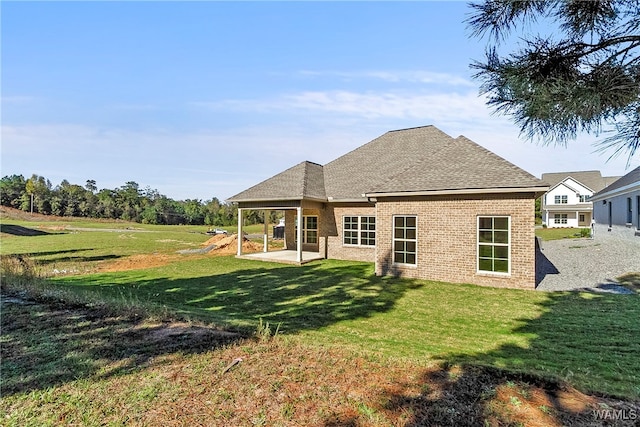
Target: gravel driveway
[593,264]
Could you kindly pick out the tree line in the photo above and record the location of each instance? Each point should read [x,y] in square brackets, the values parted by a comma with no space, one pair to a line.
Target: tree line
[129,202]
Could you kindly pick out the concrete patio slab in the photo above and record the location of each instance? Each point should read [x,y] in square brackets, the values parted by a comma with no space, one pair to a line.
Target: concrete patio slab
[284,257]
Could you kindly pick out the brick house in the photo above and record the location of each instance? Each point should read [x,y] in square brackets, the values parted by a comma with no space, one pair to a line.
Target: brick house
[417,203]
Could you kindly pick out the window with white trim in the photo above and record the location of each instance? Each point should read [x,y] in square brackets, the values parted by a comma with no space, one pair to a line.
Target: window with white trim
[405,240]
[359,230]
[309,229]
[494,244]
[560,218]
[561,200]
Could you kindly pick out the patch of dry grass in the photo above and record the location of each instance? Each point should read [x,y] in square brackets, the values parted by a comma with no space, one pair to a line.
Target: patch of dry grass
[101,369]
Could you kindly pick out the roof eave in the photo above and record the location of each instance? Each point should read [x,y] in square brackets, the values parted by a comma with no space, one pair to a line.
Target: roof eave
[276,199]
[615,192]
[537,189]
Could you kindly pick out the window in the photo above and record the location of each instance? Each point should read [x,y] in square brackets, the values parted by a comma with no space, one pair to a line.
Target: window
[560,218]
[359,230]
[405,240]
[629,210]
[560,200]
[581,218]
[494,248]
[309,229]
[583,198]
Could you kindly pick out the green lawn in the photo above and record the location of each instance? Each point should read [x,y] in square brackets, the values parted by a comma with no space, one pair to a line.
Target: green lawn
[589,340]
[561,233]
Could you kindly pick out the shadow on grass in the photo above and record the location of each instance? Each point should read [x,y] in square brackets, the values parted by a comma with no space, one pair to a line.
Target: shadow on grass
[46,344]
[297,297]
[42,348]
[588,340]
[18,230]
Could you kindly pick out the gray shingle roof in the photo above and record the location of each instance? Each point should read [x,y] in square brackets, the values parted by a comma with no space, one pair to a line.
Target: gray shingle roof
[419,159]
[592,179]
[457,164]
[302,181]
[632,177]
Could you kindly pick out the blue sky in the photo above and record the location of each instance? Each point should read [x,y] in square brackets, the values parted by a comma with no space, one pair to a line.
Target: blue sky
[204,99]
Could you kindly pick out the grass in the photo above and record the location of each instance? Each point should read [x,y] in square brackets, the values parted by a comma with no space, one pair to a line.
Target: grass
[562,233]
[334,322]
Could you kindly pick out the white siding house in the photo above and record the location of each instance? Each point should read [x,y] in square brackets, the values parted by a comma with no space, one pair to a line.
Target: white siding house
[618,205]
[567,203]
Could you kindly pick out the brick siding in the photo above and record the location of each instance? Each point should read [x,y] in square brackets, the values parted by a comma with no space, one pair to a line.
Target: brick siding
[447,238]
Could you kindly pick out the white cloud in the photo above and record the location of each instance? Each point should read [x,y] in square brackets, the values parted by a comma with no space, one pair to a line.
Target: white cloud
[423,107]
[397,76]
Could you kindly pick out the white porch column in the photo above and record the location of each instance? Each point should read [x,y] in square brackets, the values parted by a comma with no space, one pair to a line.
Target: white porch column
[299,247]
[239,231]
[265,239]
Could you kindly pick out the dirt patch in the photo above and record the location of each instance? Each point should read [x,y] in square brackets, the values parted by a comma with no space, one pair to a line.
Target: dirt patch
[224,245]
[228,245]
[139,262]
[215,239]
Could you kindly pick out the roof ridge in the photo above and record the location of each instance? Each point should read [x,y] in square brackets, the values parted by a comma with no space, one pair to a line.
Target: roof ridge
[411,128]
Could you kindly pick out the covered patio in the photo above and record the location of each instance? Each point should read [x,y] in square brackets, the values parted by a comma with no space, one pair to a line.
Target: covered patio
[299,192]
[295,232]
[283,256]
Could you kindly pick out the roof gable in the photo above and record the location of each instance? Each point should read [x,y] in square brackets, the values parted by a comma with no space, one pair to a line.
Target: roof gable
[302,181]
[592,180]
[570,183]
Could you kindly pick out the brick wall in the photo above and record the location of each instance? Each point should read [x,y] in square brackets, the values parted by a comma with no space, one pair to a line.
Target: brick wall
[333,227]
[447,238]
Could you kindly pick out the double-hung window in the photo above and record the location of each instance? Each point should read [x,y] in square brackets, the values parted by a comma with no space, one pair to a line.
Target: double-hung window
[359,230]
[405,240]
[494,244]
[561,200]
[560,218]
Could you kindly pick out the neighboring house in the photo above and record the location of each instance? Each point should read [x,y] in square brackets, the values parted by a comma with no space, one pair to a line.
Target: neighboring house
[618,205]
[416,202]
[567,203]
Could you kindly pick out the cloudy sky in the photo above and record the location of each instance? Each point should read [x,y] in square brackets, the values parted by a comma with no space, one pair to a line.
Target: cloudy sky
[204,99]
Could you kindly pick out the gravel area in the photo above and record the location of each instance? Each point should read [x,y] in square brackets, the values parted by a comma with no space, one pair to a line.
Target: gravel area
[587,264]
